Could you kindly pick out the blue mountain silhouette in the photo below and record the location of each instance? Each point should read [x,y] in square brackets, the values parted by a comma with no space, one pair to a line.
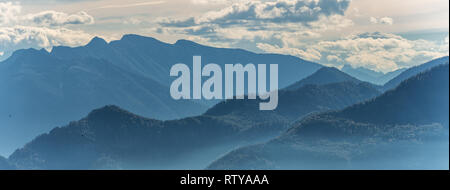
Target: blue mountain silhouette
[406,128]
[41,89]
[111,138]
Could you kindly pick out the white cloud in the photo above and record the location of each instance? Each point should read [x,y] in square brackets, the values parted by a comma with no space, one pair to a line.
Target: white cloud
[277,26]
[383,20]
[336,22]
[207,2]
[373,20]
[382,51]
[9,12]
[133,21]
[308,54]
[333,58]
[10,15]
[377,51]
[262,28]
[386,20]
[39,30]
[279,11]
[128,5]
[18,37]
[53,18]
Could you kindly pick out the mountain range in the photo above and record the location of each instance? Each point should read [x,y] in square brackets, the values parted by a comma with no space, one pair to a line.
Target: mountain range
[326,118]
[408,73]
[374,77]
[112,138]
[5,165]
[325,75]
[41,90]
[405,128]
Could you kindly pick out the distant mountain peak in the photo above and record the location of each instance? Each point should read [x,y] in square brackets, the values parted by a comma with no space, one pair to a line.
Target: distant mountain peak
[324,75]
[97,42]
[414,71]
[112,115]
[109,109]
[28,54]
[369,75]
[132,73]
[362,69]
[5,165]
[328,70]
[185,42]
[31,51]
[135,37]
[332,71]
[426,102]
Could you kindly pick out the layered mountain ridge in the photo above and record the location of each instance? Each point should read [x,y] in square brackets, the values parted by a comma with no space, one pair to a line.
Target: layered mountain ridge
[129,141]
[382,133]
[48,89]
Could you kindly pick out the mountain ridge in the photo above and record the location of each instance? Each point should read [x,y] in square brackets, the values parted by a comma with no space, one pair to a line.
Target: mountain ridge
[5,165]
[132,72]
[338,140]
[371,76]
[325,75]
[414,71]
[114,133]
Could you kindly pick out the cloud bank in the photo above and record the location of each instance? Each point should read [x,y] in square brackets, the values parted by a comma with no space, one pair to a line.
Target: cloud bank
[382,20]
[39,30]
[256,12]
[53,18]
[316,30]
[378,51]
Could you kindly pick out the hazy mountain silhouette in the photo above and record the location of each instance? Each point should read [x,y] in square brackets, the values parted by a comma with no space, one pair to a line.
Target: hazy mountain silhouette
[367,75]
[414,71]
[406,128]
[294,104]
[42,90]
[111,138]
[424,97]
[152,58]
[5,165]
[47,89]
[325,75]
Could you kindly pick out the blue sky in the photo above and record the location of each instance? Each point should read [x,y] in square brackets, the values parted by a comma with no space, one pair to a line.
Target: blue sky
[382,35]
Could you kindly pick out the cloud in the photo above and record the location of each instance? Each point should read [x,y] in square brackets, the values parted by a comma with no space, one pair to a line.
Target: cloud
[333,58]
[377,51]
[53,18]
[53,1]
[279,23]
[280,11]
[373,20]
[387,20]
[207,2]
[132,20]
[19,37]
[308,54]
[127,5]
[8,12]
[381,51]
[39,30]
[382,20]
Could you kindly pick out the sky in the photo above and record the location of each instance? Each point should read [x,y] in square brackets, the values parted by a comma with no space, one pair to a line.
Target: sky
[382,35]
